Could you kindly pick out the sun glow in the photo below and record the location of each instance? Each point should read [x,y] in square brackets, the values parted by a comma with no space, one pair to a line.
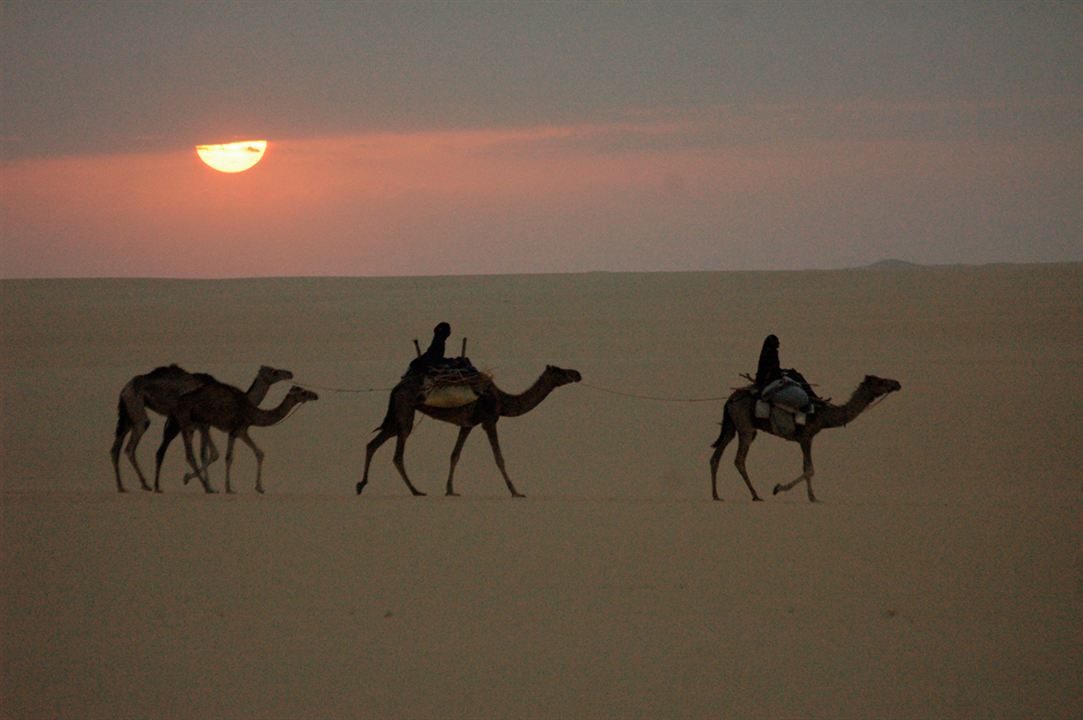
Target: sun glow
[232,157]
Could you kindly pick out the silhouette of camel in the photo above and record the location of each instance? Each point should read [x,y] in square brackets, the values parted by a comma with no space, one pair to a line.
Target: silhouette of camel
[229,409]
[407,397]
[208,453]
[159,390]
[738,418]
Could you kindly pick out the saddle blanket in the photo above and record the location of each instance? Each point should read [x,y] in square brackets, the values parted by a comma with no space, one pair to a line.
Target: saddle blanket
[454,388]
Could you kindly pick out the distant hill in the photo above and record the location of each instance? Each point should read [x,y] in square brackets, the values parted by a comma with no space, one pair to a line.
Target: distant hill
[892,264]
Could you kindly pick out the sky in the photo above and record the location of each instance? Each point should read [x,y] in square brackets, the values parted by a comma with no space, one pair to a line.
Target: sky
[432,138]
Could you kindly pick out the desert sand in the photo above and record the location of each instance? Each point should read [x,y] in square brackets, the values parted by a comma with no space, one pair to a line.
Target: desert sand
[940,576]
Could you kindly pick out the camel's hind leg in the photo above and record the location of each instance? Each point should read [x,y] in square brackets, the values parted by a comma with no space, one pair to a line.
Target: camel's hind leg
[744,442]
[124,425]
[208,452]
[191,457]
[719,445]
[139,422]
[370,450]
[806,475]
[490,430]
[464,432]
[400,462]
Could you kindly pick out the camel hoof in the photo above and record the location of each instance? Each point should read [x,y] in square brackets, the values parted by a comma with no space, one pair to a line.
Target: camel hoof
[777,490]
[121,490]
[451,494]
[757,498]
[716,498]
[259,490]
[518,495]
[418,493]
[360,486]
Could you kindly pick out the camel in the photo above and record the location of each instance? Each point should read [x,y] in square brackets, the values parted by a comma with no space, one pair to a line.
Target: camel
[265,378]
[738,418]
[229,409]
[159,390]
[406,398]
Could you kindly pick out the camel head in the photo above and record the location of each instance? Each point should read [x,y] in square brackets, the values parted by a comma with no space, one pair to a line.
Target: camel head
[560,376]
[880,386]
[272,375]
[301,395]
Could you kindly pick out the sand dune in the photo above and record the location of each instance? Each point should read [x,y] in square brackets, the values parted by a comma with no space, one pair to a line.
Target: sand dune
[941,576]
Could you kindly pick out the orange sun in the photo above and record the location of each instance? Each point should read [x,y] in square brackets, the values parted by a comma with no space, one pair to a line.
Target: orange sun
[232,157]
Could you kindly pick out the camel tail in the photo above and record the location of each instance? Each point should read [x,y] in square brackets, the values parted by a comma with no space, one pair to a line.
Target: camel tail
[124,420]
[388,422]
[728,430]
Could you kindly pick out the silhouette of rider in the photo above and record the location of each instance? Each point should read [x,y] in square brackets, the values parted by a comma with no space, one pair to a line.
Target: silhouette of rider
[768,369]
[434,354]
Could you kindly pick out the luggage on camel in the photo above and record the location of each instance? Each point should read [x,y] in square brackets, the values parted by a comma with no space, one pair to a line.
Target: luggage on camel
[454,384]
[786,402]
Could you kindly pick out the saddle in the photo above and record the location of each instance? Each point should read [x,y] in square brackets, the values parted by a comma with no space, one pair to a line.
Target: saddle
[454,385]
[786,404]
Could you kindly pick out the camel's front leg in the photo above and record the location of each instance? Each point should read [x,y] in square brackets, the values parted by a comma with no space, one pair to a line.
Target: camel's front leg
[490,430]
[464,432]
[806,475]
[259,460]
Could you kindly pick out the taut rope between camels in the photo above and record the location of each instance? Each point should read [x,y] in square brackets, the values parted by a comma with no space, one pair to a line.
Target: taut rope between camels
[599,388]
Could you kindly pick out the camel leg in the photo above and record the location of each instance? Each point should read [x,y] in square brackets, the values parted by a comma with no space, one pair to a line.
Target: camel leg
[464,432]
[210,450]
[806,475]
[138,428]
[724,438]
[172,429]
[124,424]
[208,453]
[259,459]
[400,463]
[229,462]
[744,442]
[191,457]
[490,430]
[370,450]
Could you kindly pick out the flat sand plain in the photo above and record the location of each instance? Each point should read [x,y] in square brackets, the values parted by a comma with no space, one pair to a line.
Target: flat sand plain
[940,576]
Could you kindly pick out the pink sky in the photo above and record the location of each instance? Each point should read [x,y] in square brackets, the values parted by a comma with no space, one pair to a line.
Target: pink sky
[480,137]
[635,195]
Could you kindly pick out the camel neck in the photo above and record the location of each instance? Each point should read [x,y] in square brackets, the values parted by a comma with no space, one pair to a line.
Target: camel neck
[262,418]
[524,402]
[839,415]
[257,390]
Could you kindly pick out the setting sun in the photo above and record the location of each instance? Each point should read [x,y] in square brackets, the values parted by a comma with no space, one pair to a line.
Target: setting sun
[232,157]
